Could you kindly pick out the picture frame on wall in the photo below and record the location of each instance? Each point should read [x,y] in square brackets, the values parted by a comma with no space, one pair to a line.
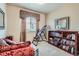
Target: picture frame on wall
[62,23]
[2,22]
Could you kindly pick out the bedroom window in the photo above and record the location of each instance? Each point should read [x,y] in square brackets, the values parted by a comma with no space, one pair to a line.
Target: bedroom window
[30,24]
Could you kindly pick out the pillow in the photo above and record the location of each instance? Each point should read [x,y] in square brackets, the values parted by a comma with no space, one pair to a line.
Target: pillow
[10,42]
[3,42]
[9,37]
[28,43]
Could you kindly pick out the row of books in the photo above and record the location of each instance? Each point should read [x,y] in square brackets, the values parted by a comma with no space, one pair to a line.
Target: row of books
[67,42]
[58,41]
[71,36]
[69,49]
[56,34]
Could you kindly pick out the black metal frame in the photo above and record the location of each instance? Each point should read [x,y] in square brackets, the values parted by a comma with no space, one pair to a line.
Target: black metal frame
[39,35]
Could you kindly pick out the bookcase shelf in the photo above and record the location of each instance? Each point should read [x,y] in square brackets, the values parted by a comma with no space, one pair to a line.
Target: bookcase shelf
[65,40]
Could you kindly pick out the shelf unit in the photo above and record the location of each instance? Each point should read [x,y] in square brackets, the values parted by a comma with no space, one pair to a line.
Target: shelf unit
[65,40]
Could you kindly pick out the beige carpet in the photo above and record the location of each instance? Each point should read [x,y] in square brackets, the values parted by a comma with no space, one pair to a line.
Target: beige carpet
[46,49]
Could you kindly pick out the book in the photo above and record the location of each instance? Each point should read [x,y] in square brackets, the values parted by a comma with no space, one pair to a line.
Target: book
[63,46]
[56,34]
[72,50]
[56,41]
[72,43]
[73,36]
[64,42]
[67,42]
[68,36]
[67,47]
[51,40]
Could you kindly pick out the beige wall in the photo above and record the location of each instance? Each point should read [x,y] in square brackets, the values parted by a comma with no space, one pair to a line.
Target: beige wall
[71,10]
[3,32]
[14,22]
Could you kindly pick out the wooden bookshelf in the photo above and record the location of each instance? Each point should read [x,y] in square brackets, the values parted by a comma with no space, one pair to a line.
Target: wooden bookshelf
[65,40]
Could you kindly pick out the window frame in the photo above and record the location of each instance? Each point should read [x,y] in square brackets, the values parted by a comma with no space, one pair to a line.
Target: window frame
[30,23]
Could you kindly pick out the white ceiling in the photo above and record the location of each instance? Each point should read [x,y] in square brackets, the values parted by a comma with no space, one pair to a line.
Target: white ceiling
[45,8]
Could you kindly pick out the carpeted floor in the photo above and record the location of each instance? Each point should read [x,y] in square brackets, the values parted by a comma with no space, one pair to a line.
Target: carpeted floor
[46,49]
